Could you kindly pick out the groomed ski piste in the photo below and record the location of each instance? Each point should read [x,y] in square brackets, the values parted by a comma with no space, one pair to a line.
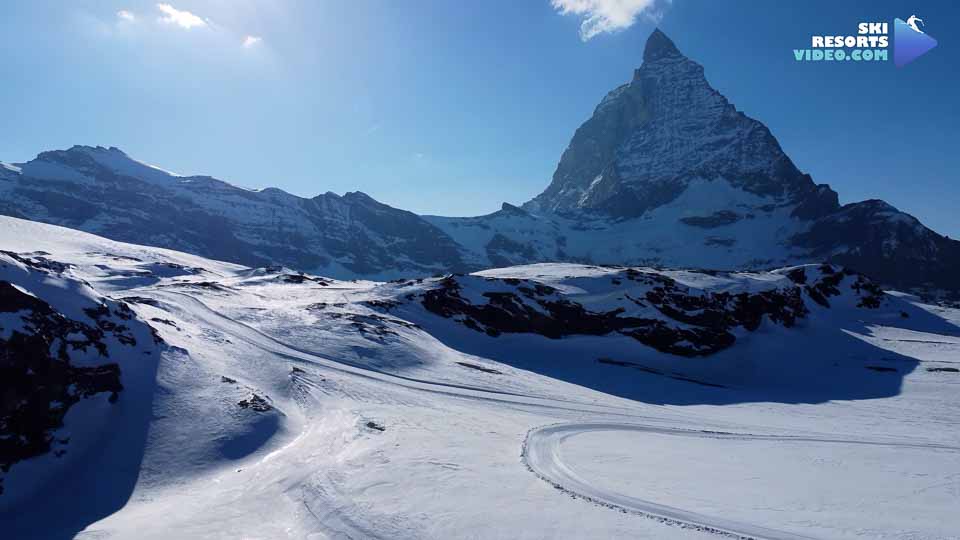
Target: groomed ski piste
[284,405]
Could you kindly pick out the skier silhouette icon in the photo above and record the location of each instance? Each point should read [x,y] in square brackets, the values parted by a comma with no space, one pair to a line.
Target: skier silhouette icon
[912,23]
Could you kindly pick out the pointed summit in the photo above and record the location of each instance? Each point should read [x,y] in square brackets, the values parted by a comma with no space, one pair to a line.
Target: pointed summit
[651,138]
[659,46]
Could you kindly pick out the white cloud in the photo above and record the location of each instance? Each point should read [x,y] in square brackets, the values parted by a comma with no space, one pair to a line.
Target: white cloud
[602,16]
[183,19]
[125,15]
[251,41]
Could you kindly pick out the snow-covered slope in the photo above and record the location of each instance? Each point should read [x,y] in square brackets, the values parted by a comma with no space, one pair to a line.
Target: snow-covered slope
[75,368]
[668,172]
[104,191]
[665,172]
[521,402]
[711,224]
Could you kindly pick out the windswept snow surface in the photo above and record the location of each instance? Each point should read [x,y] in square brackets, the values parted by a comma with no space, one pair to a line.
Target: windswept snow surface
[295,406]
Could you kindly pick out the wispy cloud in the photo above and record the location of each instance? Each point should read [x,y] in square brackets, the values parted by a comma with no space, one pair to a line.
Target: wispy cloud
[170,16]
[181,18]
[607,16]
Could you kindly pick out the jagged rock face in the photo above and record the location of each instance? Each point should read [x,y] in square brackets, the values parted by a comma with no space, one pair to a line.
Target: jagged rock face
[56,353]
[647,139]
[893,247]
[666,172]
[103,191]
[641,303]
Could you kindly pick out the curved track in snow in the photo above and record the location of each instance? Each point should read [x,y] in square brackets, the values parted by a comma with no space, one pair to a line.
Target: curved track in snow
[542,448]
[175,302]
[542,454]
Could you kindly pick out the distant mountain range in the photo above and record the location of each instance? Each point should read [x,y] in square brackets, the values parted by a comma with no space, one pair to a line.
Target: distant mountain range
[666,172]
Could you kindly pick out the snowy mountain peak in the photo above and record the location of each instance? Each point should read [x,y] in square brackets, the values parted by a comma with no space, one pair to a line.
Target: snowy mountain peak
[85,163]
[659,46]
[98,150]
[80,151]
[649,139]
[359,196]
[666,172]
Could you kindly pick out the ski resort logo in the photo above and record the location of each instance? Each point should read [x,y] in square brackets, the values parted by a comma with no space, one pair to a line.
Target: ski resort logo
[869,44]
[911,42]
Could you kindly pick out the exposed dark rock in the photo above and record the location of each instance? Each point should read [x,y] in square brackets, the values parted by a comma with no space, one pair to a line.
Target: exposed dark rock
[480,368]
[38,262]
[304,278]
[320,306]
[386,305]
[204,285]
[503,251]
[167,322]
[798,276]
[255,403]
[883,369]
[140,300]
[374,326]
[38,382]
[870,293]
[692,323]
[818,202]
[892,247]
[375,426]
[511,210]
[650,138]
[717,219]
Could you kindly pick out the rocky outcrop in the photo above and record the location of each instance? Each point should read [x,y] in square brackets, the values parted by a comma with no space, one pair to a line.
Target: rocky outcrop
[54,353]
[892,247]
[649,138]
[651,307]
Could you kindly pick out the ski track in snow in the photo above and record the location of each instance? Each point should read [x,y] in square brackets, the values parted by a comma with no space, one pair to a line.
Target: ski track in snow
[542,454]
[315,494]
[268,343]
[541,450]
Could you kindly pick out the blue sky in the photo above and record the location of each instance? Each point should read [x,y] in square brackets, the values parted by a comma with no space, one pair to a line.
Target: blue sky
[453,107]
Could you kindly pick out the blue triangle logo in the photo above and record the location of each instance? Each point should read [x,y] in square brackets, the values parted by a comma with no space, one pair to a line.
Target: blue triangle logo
[910,42]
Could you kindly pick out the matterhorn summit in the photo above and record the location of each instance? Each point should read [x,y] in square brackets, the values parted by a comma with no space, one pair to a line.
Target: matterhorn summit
[650,138]
[665,172]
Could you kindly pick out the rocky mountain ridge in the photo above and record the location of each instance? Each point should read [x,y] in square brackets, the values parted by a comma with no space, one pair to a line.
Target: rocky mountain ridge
[666,172]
